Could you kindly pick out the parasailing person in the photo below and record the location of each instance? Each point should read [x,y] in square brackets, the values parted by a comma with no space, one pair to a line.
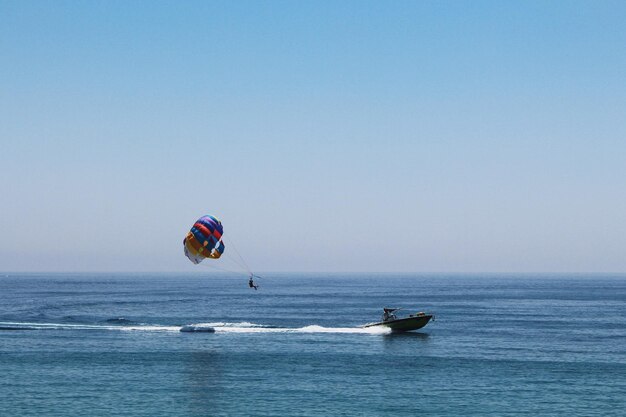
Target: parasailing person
[251,283]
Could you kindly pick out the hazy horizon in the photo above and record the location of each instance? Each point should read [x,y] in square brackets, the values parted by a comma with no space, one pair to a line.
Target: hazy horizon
[422,137]
[263,276]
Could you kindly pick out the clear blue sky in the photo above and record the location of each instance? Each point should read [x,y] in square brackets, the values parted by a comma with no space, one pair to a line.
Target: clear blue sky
[327,136]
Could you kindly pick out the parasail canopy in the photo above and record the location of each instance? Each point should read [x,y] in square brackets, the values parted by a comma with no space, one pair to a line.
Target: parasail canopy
[204,240]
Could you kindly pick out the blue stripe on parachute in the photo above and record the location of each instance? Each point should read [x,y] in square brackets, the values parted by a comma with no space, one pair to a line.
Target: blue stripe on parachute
[201,238]
[220,247]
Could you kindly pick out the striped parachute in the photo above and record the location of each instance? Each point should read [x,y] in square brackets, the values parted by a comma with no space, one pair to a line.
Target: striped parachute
[204,240]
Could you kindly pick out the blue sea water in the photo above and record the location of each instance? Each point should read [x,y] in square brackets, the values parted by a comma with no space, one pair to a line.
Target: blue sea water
[110,345]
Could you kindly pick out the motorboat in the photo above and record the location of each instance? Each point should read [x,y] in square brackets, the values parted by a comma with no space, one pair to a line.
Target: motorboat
[404,324]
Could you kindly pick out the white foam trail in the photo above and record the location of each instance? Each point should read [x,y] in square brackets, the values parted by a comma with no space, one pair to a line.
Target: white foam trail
[226,324]
[244,327]
[220,327]
[320,329]
[149,328]
[63,326]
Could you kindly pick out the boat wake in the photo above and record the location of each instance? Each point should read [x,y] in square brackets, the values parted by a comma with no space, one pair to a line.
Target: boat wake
[95,327]
[214,327]
[245,327]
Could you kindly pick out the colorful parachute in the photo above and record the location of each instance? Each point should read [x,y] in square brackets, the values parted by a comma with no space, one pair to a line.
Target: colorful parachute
[204,240]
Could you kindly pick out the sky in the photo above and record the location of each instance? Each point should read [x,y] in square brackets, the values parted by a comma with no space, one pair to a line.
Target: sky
[348,136]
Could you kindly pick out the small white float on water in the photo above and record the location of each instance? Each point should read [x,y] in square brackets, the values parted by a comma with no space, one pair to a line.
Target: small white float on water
[192,328]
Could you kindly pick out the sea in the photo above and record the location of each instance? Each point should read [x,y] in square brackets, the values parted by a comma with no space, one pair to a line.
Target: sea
[501,345]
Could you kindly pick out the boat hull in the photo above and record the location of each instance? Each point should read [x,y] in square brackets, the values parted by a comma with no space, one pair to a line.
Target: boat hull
[405,324]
